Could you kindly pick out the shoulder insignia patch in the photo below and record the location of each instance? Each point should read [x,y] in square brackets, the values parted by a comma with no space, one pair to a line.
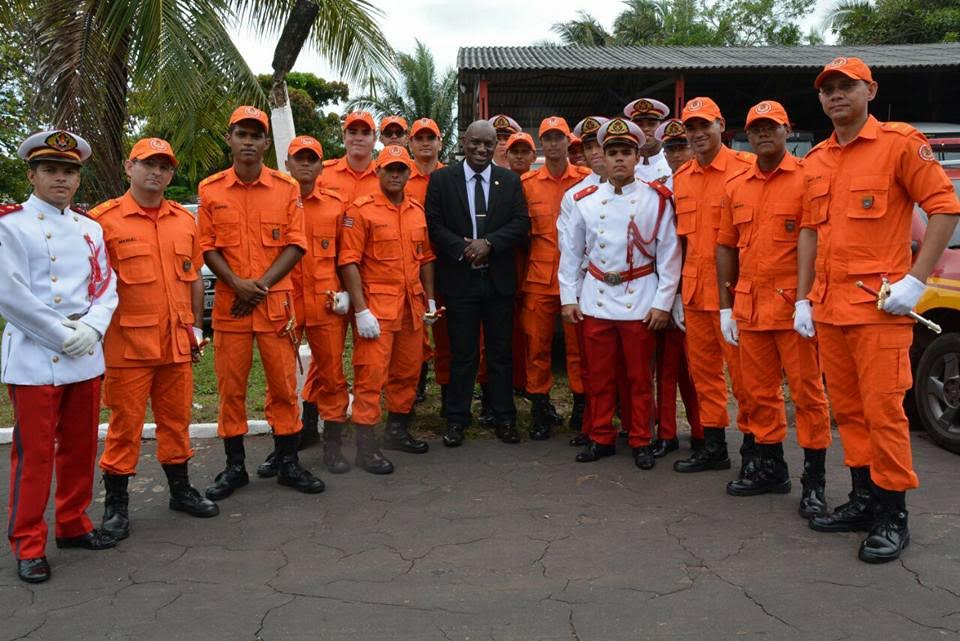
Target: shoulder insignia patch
[363,200]
[9,209]
[101,209]
[586,191]
[215,177]
[901,128]
[926,153]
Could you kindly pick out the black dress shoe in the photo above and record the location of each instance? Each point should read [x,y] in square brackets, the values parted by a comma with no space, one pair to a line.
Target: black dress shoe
[643,457]
[33,570]
[231,478]
[662,447]
[294,475]
[696,444]
[889,535]
[92,540]
[768,474]
[580,440]
[507,432]
[855,515]
[453,437]
[540,432]
[268,469]
[713,456]
[595,451]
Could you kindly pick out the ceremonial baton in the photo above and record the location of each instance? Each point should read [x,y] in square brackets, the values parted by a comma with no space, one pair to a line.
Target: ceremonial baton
[926,322]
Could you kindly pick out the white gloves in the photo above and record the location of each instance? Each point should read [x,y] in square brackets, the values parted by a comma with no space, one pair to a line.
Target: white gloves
[367,324]
[677,313]
[197,335]
[904,295]
[728,327]
[431,316]
[803,319]
[341,303]
[81,340]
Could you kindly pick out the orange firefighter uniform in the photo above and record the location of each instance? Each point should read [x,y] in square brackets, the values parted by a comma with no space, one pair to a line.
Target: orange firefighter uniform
[250,225]
[859,199]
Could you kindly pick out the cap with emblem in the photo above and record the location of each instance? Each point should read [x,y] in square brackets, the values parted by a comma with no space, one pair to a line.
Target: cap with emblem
[519,138]
[850,67]
[620,130]
[643,108]
[359,117]
[671,132]
[397,121]
[55,145]
[424,123]
[700,107]
[246,112]
[393,155]
[554,123]
[767,110]
[300,143]
[588,127]
[575,141]
[503,123]
[147,147]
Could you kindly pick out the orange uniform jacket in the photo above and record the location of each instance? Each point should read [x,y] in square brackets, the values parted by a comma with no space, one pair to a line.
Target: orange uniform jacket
[761,216]
[417,185]
[316,273]
[699,195]
[250,225]
[339,177]
[157,261]
[859,198]
[544,192]
[389,243]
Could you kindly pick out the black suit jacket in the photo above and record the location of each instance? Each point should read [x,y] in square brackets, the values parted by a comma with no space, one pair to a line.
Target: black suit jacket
[448,219]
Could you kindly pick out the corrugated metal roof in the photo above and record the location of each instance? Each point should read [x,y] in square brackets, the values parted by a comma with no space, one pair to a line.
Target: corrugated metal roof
[682,58]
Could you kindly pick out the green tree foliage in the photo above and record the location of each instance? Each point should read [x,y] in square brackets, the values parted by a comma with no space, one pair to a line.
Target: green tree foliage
[860,22]
[16,120]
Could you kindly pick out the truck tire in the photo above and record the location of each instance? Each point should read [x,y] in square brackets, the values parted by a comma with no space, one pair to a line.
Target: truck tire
[936,391]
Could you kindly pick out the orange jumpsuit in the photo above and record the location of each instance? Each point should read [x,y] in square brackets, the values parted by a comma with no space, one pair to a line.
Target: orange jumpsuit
[389,244]
[156,254]
[325,331]
[250,225]
[699,194]
[761,217]
[859,199]
[541,289]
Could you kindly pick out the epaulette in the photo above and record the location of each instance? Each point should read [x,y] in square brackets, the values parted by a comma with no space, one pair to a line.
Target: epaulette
[9,209]
[416,203]
[331,162]
[739,171]
[583,171]
[586,191]
[80,210]
[816,147]
[102,208]
[660,188]
[284,177]
[901,128]
[363,200]
[211,179]
[528,175]
[175,205]
[745,156]
[684,167]
[332,193]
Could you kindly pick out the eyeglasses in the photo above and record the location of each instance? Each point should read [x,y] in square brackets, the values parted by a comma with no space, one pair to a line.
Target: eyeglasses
[392,133]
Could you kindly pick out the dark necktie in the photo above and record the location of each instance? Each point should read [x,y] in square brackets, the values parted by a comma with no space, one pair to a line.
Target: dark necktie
[479,205]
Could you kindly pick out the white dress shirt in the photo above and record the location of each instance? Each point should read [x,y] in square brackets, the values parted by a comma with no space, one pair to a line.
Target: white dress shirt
[468,174]
[44,277]
[657,169]
[566,207]
[598,225]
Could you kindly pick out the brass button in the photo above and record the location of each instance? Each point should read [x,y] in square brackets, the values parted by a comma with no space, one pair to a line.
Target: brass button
[91,351]
[600,290]
[599,303]
[53,259]
[604,261]
[53,278]
[601,232]
[602,216]
[48,235]
[76,219]
[40,216]
[603,202]
[631,216]
[602,245]
[629,291]
[629,305]
[633,202]
[56,359]
[57,299]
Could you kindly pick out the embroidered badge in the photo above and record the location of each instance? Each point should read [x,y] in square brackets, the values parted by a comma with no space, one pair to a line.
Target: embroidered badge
[926,153]
[763,107]
[324,243]
[187,265]
[674,128]
[590,125]
[347,221]
[617,128]
[867,202]
[789,224]
[695,105]
[836,62]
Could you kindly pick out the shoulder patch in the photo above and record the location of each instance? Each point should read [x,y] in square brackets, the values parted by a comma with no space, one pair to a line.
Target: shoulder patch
[101,209]
[586,191]
[363,200]
[416,203]
[9,209]
[745,156]
[210,179]
[175,205]
[901,128]
[332,193]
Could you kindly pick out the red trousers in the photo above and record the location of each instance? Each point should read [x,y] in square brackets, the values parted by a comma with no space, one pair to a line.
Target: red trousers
[603,341]
[868,372]
[764,356]
[391,363]
[539,317]
[126,390]
[672,370]
[708,351]
[326,385]
[623,386]
[55,429]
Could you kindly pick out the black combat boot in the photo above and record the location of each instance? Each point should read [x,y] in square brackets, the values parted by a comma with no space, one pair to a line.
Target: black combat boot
[696,443]
[889,535]
[290,472]
[310,419]
[663,446]
[268,469]
[552,414]
[768,474]
[595,451]
[487,416]
[579,440]
[234,474]
[576,412]
[713,455]
[333,458]
[813,500]
[748,456]
[183,496]
[397,437]
[856,515]
[540,421]
[116,519]
[369,456]
[643,457]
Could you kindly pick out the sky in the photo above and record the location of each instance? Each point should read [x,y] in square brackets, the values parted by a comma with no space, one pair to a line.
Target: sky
[446,25]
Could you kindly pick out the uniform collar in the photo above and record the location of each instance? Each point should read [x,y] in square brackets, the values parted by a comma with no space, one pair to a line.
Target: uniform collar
[415,171]
[43,206]
[569,172]
[869,131]
[719,162]
[315,194]
[624,191]
[787,163]
[381,199]
[130,206]
[264,178]
[343,165]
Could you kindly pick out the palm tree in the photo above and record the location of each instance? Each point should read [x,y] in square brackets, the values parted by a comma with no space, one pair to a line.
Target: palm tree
[584,30]
[419,91]
[849,19]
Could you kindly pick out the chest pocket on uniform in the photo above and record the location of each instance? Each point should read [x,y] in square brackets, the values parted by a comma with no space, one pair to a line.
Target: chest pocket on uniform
[868,197]
[226,226]
[418,240]
[186,270]
[325,242]
[742,218]
[786,222]
[273,228]
[386,242]
[816,201]
[686,216]
[135,263]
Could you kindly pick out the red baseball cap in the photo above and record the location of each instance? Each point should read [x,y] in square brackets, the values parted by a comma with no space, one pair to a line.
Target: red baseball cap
[424,123]
[767,110]
[147,147]
[359,116]
[305,142]
[850,67]
[554,123]
[246,112]
[393,120]
[521,137]
[700,107]
[393,154]
[575,141]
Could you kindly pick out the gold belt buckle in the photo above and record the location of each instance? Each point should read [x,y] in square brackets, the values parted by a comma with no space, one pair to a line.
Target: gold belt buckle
[612,278]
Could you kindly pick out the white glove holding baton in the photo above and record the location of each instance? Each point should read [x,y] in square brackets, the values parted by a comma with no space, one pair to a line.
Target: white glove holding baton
[341,303]
[803,319]
[677,313]
[431,316]
[367,324]
[904,295]
[728,327]
[81,341]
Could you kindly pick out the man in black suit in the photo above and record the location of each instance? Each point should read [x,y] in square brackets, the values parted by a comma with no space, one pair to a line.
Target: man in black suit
[476,214]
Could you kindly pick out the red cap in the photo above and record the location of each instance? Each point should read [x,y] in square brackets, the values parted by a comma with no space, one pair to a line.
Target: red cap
[700,107]
[554,123]
[245,112]
[575,141]
[521,137]
[393,154]
[767,110]
[393,120]
[424,123]
[359,116]
[305,142]
[850,67]
[146,147]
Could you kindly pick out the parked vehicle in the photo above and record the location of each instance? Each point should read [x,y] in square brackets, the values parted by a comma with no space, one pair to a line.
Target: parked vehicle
[798,143]
[209,278]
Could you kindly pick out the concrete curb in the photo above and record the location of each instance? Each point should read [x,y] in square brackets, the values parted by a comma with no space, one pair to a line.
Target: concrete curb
[197,430]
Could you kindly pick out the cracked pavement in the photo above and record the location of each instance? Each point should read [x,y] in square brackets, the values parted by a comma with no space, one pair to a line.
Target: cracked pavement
[496,542]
